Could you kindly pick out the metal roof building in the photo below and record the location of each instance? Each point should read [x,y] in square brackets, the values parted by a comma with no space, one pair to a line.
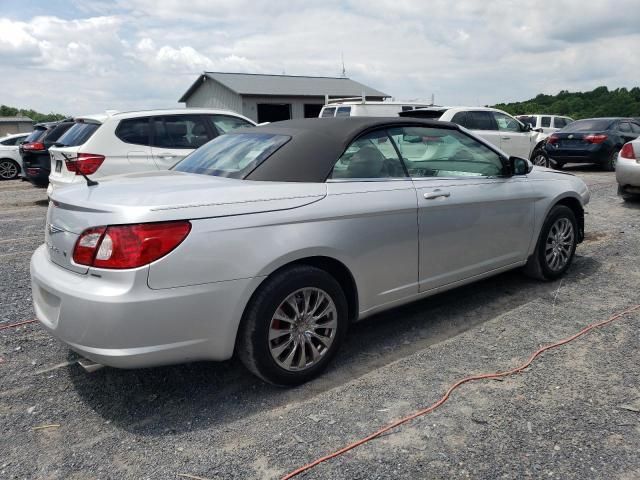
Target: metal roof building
[10,125]
[269,98]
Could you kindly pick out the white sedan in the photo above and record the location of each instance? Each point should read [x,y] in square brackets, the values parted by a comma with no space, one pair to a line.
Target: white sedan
[10,159]
[628,170]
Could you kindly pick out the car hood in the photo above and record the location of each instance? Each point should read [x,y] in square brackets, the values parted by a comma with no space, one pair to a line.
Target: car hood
[169,195]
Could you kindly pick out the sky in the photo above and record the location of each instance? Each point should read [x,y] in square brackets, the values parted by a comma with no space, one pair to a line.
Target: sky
[79,57]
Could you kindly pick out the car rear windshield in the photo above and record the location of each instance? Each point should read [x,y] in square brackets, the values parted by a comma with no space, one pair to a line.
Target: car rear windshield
[588,125]
[78,134]
[233,155]
[56,132]
[34,136]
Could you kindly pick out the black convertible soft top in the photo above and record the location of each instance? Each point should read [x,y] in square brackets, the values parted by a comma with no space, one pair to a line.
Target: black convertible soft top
[317,143]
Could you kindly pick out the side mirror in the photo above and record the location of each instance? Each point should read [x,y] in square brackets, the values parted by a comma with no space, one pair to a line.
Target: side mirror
[520,166]
[527,127]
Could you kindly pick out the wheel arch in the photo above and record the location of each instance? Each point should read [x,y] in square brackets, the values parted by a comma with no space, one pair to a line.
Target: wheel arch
[17,164]
[578,210]
[337,270]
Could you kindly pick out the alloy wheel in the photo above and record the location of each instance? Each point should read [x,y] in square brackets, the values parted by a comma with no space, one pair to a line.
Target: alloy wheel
[8,170]
[302,329]
[541,160]
[559,244]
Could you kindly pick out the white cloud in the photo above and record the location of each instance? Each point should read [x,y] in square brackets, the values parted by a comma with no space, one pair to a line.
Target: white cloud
[145,53]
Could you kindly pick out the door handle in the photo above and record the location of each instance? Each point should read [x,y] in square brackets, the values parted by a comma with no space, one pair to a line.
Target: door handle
[506,138]
[436,194]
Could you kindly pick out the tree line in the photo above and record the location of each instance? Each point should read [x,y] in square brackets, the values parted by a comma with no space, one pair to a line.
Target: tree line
[599,102]
[37,117]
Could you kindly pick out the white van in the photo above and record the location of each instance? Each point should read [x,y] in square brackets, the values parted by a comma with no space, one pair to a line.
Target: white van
[352,107]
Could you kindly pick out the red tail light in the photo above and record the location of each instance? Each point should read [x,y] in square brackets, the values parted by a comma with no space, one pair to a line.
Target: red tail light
[553,139]
[33,146]
[595,138]
[85,163]
[128,246]
[628,152]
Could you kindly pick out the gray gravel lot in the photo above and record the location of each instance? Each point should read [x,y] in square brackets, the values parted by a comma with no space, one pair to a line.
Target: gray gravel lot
[574,414]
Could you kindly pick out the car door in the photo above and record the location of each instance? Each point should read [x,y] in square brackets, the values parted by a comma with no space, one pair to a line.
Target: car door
[176,136]
[133,151]
[514,140]
[377,204]
[472,219]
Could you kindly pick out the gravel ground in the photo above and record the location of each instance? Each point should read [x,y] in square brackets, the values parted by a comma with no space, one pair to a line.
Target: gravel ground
[573,414]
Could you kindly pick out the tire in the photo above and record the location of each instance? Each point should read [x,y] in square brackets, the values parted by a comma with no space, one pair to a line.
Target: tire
[267,358]
[553,244]
[540,158]
[9,169]
[610,163]
[627,197]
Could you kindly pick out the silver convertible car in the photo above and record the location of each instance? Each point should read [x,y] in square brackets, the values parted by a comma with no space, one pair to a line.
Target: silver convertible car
[269,241]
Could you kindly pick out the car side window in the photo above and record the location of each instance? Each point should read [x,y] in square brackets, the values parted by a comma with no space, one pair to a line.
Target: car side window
[438,152]
[559,122]
[545,122]
[635,128]
[9,141]
[328,112]
[370,156]
[460,118]
[624,127]
[507,123]
[180,131]
[343,112]
[226,123]
[480,120]
[134,130]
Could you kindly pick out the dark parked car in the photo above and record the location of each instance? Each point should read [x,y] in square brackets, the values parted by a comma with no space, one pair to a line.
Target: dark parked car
[35,150]
[594,140]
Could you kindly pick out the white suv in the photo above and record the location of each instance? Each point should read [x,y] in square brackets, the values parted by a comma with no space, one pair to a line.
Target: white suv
[495,126]
[546,123]
[117,143]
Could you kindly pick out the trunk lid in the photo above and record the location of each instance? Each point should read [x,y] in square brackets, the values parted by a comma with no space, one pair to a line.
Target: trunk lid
[161,196]
[60,175]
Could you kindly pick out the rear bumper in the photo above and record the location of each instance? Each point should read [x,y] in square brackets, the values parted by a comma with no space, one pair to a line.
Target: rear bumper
[117,320]
[36,167]
[599,155]
[628,173]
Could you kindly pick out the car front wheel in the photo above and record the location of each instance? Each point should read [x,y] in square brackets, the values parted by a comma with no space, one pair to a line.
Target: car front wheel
[293,326]
[540,158]
[556,245]
[9,169]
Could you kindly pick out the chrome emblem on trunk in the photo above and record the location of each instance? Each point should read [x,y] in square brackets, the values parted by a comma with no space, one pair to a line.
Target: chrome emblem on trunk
[53,229]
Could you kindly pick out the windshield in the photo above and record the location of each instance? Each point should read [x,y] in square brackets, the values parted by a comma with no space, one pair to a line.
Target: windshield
[233,156]
[78,134]
[588,125]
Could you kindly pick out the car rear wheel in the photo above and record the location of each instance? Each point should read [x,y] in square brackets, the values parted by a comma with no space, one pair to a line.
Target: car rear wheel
[610,164]
[540,158]
[293,326]
[9,169]
[556,245]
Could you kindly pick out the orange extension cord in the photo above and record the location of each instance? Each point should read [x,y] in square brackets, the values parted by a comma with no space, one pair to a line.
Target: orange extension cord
[445,397]
[13,325]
